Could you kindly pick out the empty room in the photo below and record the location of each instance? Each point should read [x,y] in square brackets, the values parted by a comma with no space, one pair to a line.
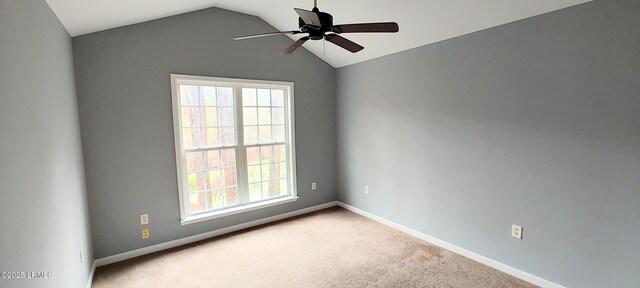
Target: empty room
[281,143]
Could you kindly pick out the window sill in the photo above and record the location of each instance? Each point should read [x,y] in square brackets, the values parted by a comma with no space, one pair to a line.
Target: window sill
[236,210]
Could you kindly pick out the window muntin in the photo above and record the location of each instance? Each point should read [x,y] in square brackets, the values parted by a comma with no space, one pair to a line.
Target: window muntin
[229,156]
[264,134]
[207,118]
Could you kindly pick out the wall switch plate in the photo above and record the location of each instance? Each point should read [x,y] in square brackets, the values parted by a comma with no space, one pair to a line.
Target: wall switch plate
[145,233]
[366,189]
[516,231]
[144,219]
[314,186]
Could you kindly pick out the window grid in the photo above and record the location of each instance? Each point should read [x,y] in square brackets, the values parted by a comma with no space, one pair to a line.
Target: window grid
[261,102]
[235,129]
[219,167]
[200,119]
[223,135]
[274,174]
[269,126]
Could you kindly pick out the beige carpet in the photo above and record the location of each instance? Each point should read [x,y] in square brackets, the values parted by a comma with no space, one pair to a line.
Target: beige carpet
[328,248]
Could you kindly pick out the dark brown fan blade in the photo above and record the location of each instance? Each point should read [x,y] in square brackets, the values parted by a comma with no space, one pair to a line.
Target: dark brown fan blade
[266,34]
[343,42]
[386,27]
[295,45]
[309,17]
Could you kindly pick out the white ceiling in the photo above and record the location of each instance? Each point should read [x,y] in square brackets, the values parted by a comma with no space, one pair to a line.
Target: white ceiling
[421,21]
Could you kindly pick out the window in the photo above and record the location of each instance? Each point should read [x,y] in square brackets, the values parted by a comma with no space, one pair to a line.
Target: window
[234,145]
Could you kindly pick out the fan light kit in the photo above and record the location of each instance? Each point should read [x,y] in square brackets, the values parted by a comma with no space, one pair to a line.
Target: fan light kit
[319,25]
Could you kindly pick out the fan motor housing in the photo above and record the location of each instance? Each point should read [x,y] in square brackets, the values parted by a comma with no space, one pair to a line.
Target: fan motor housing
[317,33]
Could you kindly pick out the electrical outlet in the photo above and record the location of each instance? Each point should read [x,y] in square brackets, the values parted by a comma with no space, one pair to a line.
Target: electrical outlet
[366,189]
[144,219]
[314,186]
[516,231]
[145,233]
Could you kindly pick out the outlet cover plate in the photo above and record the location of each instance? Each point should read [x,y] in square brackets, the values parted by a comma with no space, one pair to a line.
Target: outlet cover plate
[516,231]
[145,233]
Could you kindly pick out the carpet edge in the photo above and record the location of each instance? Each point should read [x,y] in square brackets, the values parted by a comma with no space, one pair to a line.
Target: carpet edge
[199,237]
[456,249]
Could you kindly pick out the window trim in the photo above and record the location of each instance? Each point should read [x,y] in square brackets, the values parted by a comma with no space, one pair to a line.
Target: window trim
[237,85]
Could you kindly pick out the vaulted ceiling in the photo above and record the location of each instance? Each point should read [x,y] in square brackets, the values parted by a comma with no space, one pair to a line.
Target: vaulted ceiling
[421,21]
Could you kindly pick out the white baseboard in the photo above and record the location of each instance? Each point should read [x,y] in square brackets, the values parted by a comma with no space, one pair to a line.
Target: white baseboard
[93,272]
[458,250]
[187,240]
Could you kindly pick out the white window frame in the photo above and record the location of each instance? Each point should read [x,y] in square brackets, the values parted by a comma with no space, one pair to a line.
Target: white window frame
[241,165]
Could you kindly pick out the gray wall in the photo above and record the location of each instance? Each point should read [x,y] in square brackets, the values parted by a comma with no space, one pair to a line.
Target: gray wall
[534,123]
[125,113]
[43,208]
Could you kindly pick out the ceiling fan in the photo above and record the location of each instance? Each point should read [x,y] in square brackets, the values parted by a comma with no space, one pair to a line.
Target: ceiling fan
[319,25]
